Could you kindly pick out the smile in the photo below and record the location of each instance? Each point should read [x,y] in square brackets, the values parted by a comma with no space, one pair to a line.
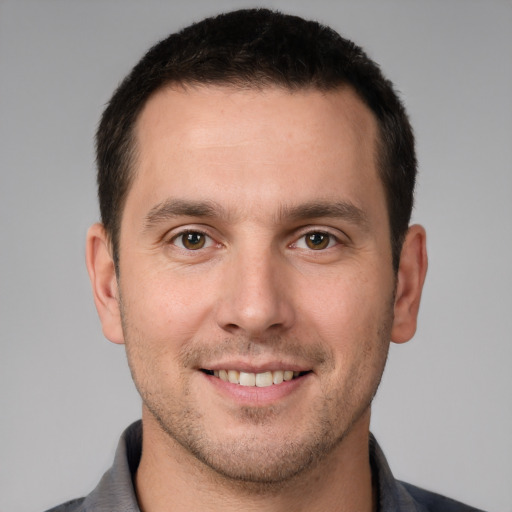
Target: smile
[260,380]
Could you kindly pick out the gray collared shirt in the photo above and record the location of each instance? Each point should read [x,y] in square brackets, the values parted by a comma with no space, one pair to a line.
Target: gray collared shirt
[115,492]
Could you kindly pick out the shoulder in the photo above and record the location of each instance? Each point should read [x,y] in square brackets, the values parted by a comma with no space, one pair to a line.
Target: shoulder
[433,502]
[70,506]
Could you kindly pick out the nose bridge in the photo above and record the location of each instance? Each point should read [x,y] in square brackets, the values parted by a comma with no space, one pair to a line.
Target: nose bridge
[255,299]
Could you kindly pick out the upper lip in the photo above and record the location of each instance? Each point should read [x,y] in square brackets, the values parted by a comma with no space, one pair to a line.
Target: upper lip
[252,367]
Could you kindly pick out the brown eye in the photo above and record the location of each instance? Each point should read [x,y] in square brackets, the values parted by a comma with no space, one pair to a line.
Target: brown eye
[317,241]
[191,240]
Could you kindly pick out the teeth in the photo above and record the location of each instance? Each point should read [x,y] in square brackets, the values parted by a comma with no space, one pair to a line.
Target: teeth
[288,375]
[234,376]
[264,379]
[247,379]
[278,377]
[261,380]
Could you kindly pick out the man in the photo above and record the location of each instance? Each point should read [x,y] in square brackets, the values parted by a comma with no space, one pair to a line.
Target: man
[256,175]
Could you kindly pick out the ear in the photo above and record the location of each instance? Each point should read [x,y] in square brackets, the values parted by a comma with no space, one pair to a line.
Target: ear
[100,265]
[411,276]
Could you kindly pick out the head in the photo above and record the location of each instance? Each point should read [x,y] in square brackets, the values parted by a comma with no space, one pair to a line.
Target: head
[256,49]
[256,174]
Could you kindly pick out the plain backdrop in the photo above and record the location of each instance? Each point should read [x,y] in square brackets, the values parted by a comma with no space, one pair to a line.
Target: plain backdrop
[443,414]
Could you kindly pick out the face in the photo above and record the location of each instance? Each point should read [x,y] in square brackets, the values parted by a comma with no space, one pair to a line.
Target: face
[256,286]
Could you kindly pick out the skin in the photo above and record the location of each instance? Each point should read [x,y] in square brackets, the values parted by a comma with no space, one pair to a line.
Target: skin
[251,175]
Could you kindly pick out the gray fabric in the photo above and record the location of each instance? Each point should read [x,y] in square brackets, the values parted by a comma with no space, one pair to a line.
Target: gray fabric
[115,492]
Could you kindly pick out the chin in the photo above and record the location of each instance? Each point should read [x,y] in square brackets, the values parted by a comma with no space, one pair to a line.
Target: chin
[255,454]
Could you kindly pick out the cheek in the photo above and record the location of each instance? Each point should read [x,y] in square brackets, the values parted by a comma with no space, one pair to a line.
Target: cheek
[156,325]
[353,317]
[347,299]
[166,307]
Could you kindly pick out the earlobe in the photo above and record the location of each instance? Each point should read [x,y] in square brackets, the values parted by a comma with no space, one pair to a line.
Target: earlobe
[411,276]
[100,266]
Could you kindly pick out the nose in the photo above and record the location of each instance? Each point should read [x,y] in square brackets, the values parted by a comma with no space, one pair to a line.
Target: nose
[256,296]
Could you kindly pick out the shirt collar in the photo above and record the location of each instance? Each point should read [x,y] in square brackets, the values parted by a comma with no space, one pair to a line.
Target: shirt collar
[115,491]
[392,495]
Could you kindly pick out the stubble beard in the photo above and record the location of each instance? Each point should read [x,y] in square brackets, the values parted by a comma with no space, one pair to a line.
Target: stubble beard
[257,463]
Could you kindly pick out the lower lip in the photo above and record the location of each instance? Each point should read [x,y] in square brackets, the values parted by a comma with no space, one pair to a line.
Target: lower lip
[253,395]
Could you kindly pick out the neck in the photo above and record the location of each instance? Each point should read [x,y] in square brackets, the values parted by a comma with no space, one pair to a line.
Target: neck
[169,478]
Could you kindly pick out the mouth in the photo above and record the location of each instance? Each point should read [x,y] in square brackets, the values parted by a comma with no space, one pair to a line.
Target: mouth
[260,380]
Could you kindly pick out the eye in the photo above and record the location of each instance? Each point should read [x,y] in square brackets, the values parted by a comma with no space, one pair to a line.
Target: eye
[316,241]
[192,240]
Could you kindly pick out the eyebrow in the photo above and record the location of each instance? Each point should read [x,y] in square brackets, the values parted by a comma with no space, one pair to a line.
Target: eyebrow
[172,208]
[318,209]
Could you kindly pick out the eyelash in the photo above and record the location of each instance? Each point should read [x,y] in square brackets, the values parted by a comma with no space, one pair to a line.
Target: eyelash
[208,241]
[329,237]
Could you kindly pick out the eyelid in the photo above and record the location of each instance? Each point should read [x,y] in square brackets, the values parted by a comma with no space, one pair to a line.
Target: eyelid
[176,233]
[336,235]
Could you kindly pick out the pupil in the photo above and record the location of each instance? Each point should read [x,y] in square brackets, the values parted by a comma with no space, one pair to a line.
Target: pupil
[194,240]
[317,241]
[316,238]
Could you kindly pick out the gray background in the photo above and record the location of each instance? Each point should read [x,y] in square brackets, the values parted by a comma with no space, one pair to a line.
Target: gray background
[444,411]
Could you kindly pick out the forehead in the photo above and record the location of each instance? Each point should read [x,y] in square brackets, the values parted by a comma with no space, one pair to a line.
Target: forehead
[195,114]
[255,145]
